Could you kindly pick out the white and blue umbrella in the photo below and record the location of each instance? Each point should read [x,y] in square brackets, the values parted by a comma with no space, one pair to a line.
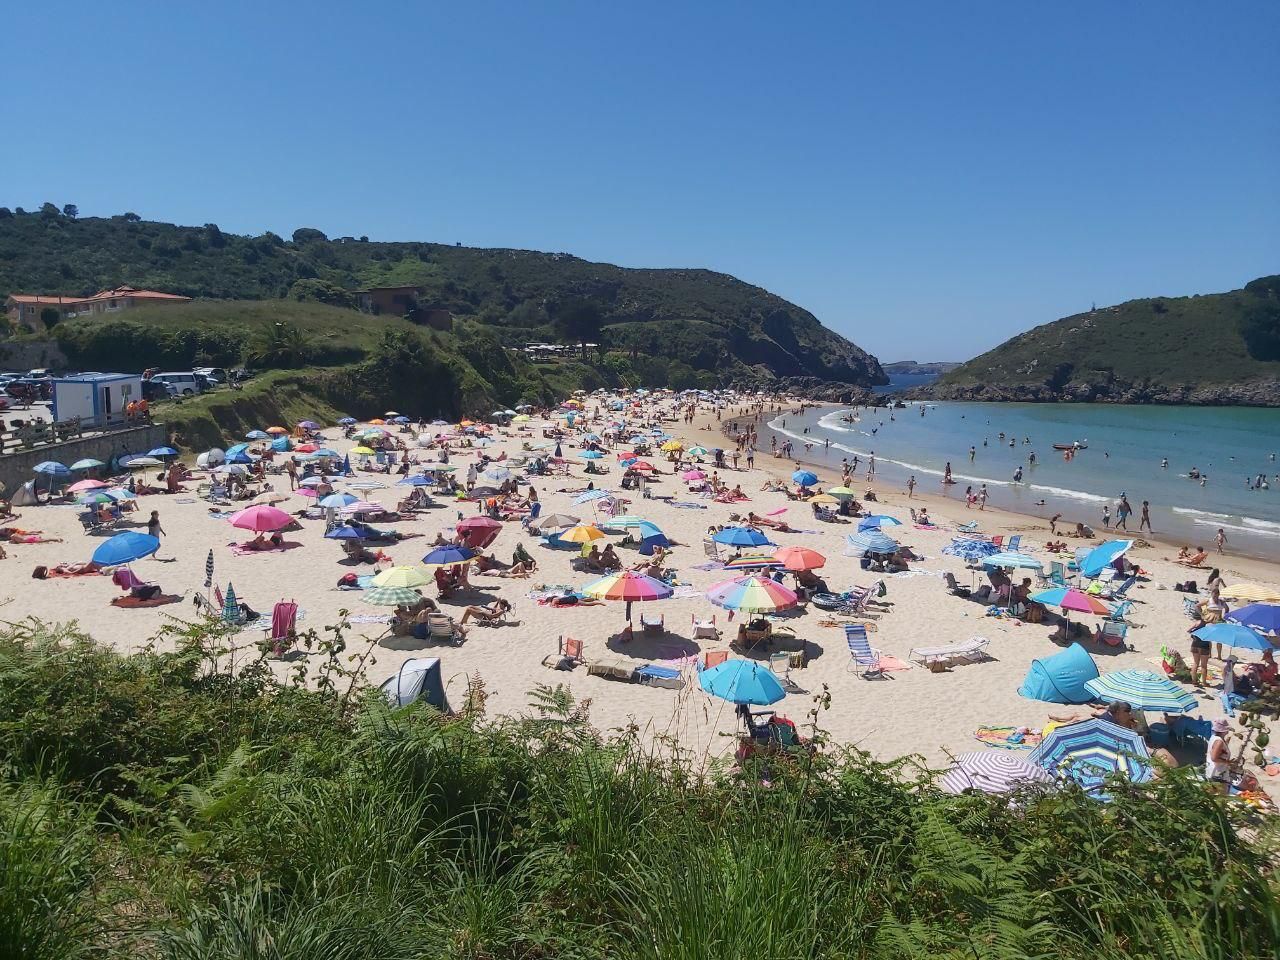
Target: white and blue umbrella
[590,495]
[591,455]
[52,468]
[970,550]
[1102,556]
[1014,561]
[1089,751]
[877,521]
[1142,690]
[869,541]
[336,501]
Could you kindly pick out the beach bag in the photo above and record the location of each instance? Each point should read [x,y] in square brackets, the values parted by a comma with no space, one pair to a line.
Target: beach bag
[1035,613]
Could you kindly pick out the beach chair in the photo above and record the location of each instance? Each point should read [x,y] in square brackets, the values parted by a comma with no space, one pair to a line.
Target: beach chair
[440,626]
[1014,544]
[780,665]
[953,587]
[90,521]
[970,527]
[998,542]
[567,656]
[863,659]
[705,629]
[282,632]
[710,549]
[713,658]
[653,626]
[971,650]
[1120,612]
[1118,593]
[1112,633]
[1058,573]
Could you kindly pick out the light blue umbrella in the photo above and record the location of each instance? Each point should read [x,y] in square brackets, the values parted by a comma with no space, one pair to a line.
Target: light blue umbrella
[591,455]
[162,452]
[1142,690]
[336,501]
[347,421]
[877,521]
[236,449]
[1233,635]
[257,435]
[52,468]
[970,550]
[869,541]
[591,495]
[742,681]
[1088,751]
[417,480]
[87,464]
[1018,561]
[741,537]
[804,478]
[1102,556]
[125,548]
[647,529]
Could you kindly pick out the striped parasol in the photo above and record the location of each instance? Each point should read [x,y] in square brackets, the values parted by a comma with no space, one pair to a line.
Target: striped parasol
[1071,599]
[752,595]
[627,586]
[230,605]
[391,597]
[1142,690]
[992,771]
[869,541]
[970,549]
[1089,751]
[208,571]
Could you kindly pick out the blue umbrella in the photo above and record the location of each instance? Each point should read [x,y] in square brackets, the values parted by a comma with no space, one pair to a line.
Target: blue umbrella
[242,458]
[870,541]
[591,455]
[742,681]
[347,421]
[1263,617]
[87,464]
[417,480]
[970,550]
[346,532]
[125,548]
[877,521]
[1233,635]
[52,468]
[336,501]
[1102,556]
[235,449]
[804,478]
[400,420]
[591,495]
[257,435]
[647,529]
[741,537]
[326,452]
[449,554]
[162,452]
[1018,561]
[1090,750]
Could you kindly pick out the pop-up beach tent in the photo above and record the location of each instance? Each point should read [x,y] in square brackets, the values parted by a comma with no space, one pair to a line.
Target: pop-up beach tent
[1061,678]
[418,679]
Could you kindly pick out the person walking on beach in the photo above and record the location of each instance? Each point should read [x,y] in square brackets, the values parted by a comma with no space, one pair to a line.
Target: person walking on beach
[911,487]
[982,498]
[1122,513]
[751,456]
[153,525]
[291,468]
[1053,524]
[1106,515]
[1221,540]
[1145,520]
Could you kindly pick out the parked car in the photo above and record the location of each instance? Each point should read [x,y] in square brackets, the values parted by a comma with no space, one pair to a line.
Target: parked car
[215,374]
[184,383]
[28,389]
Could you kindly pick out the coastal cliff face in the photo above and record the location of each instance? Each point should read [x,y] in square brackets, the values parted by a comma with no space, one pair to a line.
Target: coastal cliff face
[1215,349]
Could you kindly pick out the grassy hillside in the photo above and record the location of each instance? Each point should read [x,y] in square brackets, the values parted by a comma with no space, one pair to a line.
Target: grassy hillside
[1163,348]
[156,805]
[710,321]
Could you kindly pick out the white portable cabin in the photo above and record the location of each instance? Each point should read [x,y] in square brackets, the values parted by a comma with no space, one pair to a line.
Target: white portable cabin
[95,397]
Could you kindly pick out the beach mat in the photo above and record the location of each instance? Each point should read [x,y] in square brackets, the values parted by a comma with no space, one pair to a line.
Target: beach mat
[241,551]
[893,664]
[1008,738]
[134,603]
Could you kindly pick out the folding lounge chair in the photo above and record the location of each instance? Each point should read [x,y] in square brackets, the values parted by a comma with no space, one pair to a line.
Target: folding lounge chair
[705,629]
[653,626]
[710,549]
[440,626]
[1014,544]
[971,650]
[1112,632]
[282,633]
[863,659]
[1058,573]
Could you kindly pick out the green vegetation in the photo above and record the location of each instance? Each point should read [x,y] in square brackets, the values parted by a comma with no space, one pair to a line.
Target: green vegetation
[164,805]
[1158,348]
[711,322]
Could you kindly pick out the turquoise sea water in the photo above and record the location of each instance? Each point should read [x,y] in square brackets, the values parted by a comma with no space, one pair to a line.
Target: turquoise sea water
[1125,449]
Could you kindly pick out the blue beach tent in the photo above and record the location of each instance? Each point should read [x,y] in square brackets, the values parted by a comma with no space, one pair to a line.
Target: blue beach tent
[1060,678]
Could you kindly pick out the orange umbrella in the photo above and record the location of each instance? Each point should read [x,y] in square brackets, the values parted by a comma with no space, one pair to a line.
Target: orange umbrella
[378,420]
[796,559]
[276,430]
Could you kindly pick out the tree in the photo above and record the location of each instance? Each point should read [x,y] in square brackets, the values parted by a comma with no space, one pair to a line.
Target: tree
[49,212]
[308,235]
[50,317]
[321,291]
[5,213]
[131,217]
[70,211]
[580,321]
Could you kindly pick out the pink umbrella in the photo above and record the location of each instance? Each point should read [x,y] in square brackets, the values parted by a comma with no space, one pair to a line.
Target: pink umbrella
[82,485]
[693,475]
[479,523]
[261,519]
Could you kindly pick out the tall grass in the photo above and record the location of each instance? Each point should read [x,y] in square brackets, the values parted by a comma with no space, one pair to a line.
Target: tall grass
[250,818]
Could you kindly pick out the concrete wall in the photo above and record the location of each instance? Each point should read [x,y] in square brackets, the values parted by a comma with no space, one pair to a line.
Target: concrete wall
[17,468]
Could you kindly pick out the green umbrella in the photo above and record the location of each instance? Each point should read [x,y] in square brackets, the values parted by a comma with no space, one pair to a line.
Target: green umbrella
[391,597]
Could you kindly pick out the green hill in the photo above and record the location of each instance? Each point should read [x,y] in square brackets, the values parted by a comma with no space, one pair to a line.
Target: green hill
[1221,348]
[691,321]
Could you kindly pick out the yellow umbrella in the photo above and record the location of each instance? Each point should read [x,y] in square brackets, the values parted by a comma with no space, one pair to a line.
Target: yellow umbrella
[1253,592]
[584,533]
[523,418]
[402,577]
[824,498]
[673,445]
[842,492]
[364,452]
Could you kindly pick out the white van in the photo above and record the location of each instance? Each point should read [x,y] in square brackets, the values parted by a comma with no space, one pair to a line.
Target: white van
[179,384]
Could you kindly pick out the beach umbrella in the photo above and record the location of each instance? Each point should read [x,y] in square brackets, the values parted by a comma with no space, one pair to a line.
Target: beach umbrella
[336,501]
[235,450]
[625,521]
[277,430]
[230,605]
[312,482]
[243,459]
[347,421]
[125,548]
[227,468]
[692,475]
[797,559]
[87,464]
[554,521]
[90,497]
[970,549]
[208,570]
[1251,592]
[391,597]
[753,561]
[443,556]
[141,463]
[401,577]
[1263,617]
[992,771]
[1102,556]
[869,541]
[742,681]
[629,586]
[367,485]
[1090,750]
[583,533]
[697,451]
[257,435]
[824,498]
[1142,690]
[82,486]
[346,532]
[876,521]
[495,475]
[270,497]
[671,445]
[1233,635]
[741,537]
[416,480]
[308,425]
[306,448]
[478,523]
[261,519]
[642,465]
[1011,561]
[591,455]
[392,413]
[1071,599]
[590,495]
[52,468]
[361,506]
[752,595]
[804,478]
[844,493]
[363,451]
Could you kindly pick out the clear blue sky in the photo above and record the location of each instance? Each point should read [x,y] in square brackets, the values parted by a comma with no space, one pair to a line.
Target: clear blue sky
[927,178]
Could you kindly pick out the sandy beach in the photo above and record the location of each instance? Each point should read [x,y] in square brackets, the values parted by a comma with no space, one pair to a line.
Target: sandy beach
[910,711]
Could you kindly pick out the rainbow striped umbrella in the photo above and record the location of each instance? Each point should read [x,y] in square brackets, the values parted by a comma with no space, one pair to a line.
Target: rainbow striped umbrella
[628,586]
[991,772]
[752,595]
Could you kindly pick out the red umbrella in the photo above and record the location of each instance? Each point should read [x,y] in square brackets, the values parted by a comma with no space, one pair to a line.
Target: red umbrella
[479,523]
[796,559]
[478,532]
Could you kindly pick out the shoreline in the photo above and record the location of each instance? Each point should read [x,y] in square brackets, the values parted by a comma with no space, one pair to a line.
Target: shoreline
[1158,546]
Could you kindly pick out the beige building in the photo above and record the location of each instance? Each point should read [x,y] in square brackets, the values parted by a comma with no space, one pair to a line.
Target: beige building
[25,308]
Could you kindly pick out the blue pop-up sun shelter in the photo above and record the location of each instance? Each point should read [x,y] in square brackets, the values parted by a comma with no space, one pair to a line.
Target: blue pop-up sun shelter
[1061,678]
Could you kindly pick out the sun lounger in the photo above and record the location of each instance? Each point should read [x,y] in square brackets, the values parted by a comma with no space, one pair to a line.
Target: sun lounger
[971,650]
[611,668]
[651,675]
[653,626]
[705,629]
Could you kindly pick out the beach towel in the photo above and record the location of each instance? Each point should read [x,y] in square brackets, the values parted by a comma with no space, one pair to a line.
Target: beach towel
[710,565]
[892,664]
[685,505]
[1008,738]
[926,526]
[58,575]
[369,618]
[131,602]
[240,550]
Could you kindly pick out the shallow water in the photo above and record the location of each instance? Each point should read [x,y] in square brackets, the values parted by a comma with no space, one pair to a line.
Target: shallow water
[1125,447]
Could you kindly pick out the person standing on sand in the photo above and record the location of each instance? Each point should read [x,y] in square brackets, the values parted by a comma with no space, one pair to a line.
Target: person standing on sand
[1053,524]
[751,456]
[871,465]
[291,467]
[911,487]
[153,525]
[1221,540]
[1106,515]
[1145,519]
